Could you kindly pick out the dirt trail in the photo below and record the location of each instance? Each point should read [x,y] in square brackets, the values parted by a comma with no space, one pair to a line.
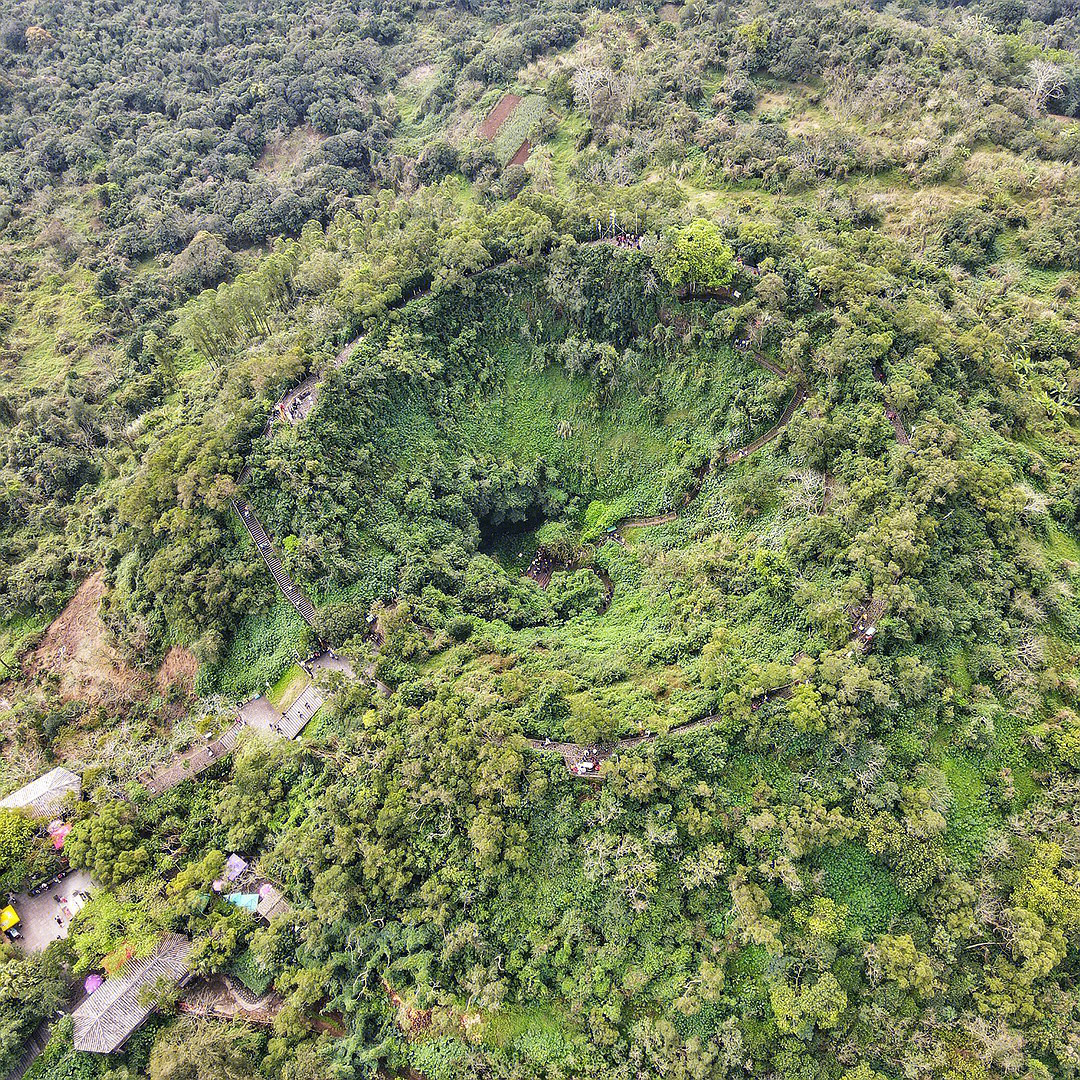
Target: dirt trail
[179,668]
[785,418]
[522,155]
[596,753]
[645,522]
[891,414]
[898,426]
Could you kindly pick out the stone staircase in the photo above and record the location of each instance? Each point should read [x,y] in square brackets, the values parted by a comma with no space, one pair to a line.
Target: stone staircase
[301,711]
[189,764]
[288,587]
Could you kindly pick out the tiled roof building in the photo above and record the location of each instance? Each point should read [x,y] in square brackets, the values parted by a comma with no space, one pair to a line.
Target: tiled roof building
[116,1010]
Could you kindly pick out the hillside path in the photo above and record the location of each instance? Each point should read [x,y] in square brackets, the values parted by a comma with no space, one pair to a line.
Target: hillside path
[289,589]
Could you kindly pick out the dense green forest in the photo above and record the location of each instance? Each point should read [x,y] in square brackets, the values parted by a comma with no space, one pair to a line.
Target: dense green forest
[670,413]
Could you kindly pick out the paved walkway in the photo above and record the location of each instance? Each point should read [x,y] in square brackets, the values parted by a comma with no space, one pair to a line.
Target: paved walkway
[300,400]
[224,998]
[298,403]
[893,417]
[576,753]
[194,761]
[542,567]
[785,418]
[32,1049]
[864,627]
[260,715]
[330,661]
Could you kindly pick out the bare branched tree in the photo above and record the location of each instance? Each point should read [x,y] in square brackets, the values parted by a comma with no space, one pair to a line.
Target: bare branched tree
[1045,83]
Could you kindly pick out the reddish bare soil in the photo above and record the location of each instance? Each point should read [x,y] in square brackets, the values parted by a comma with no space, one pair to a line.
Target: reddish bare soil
[178,668]
[81,650]
[524,150]
[499,115]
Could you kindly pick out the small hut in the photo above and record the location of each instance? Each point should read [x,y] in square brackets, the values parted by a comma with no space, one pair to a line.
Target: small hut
[272,902]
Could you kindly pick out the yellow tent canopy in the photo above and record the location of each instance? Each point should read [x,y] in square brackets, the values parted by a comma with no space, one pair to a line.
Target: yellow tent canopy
[9,917]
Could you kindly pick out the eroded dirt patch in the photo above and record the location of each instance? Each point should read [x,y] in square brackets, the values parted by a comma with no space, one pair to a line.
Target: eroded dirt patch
[80,649]
[179,668]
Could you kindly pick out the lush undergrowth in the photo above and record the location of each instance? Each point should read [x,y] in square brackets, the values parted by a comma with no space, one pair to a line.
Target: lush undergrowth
[260,653]
[848,848]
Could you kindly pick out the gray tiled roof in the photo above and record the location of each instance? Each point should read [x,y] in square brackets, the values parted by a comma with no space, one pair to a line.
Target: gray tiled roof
[45,794]
[113,1012]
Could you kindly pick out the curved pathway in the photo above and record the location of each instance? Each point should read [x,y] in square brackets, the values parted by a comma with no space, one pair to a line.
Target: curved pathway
[582,760]
[785,418]
[577,754]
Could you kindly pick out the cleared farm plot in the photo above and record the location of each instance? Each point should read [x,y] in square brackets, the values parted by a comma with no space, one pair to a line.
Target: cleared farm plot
[519,128]
[499,115]
[522,155]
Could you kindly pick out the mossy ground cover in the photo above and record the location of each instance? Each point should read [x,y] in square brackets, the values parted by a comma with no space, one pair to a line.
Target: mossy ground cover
[57,328]
[562,147]
[288,688]
[855,878]
[259,654]
[416,124]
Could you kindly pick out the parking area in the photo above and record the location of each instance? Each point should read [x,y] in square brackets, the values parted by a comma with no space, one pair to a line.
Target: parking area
[47,916]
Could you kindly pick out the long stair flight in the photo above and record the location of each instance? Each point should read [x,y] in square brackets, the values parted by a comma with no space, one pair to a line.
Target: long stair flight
[288,587]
